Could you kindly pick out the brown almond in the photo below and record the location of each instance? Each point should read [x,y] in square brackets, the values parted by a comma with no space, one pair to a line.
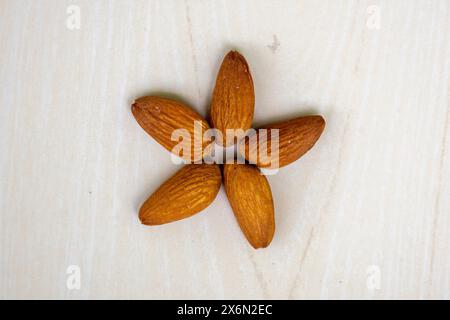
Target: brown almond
[295,138]
[159,117]
[233,99]
[251,200]
[188,192]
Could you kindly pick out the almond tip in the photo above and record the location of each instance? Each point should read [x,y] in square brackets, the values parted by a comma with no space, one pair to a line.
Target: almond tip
[322,122]
[234,54]
[260,245]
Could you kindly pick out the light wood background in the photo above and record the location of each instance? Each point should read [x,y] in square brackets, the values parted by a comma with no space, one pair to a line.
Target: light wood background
[365,214]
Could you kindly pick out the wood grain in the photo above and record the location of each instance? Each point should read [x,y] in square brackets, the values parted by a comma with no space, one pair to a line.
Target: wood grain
[364,214]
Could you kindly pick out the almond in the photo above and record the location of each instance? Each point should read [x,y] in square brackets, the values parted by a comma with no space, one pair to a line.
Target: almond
[188,192]
[159,117]
[295,138]
[251,200]
[233,99]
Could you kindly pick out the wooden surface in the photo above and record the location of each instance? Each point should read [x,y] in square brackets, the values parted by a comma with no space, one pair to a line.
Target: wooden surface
[365,214]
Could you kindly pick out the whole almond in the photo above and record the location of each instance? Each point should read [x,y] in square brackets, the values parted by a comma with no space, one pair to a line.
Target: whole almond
[251,200]
[188,192]
[295,138]
[159,117]
[233,99]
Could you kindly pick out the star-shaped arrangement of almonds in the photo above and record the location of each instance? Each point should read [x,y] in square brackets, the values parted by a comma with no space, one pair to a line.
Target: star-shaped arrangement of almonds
[195,186]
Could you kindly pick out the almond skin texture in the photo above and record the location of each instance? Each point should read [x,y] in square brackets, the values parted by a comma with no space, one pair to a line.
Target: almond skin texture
[233,99]
[159,117]
[188,192]
[296,137]
[251,200]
